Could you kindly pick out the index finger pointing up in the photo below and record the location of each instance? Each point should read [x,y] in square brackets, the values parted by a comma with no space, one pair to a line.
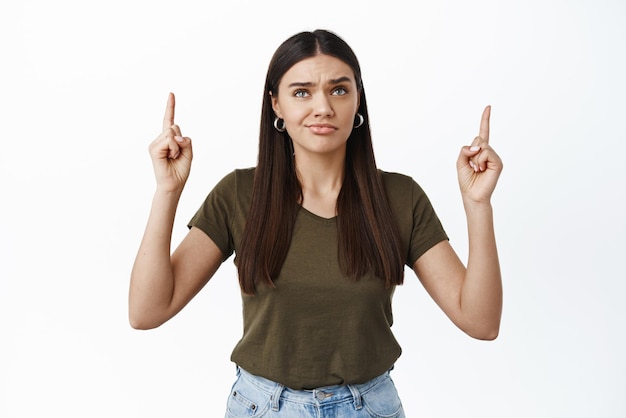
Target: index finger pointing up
[168,119]
[484,124]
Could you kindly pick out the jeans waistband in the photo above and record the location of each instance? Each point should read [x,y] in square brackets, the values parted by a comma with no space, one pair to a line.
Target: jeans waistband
[318,396]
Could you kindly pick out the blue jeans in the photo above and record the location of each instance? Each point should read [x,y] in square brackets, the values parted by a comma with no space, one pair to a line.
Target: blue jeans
[255,396]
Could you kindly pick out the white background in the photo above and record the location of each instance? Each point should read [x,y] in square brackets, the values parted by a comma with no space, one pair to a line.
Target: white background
[83,87]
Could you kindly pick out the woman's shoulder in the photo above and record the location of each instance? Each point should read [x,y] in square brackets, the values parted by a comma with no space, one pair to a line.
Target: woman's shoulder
[396,180]
[241,174]
[238,179]
[400,186]
[234,188]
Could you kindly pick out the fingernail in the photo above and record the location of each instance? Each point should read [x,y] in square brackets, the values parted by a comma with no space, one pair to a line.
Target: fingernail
[472,165]
[475,148]
[179,138]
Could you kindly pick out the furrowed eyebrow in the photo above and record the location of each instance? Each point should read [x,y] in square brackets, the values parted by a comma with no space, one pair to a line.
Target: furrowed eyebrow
[301,84]
[309,84]
[340,80]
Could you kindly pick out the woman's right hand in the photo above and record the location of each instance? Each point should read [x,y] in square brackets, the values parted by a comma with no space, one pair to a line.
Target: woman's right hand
[171,153]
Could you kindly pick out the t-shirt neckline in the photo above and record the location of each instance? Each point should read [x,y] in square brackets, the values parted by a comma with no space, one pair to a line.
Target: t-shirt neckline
[317,218]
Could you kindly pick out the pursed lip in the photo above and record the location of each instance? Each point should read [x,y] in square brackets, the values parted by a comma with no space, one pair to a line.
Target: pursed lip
[322,128]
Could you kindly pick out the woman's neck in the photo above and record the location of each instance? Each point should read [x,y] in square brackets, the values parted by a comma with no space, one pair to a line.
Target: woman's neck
[321,178]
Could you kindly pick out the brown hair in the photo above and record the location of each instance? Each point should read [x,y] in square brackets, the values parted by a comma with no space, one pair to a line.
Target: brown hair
[368,235]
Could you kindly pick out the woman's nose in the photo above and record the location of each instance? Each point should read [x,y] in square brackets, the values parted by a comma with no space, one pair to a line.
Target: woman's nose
[322,106]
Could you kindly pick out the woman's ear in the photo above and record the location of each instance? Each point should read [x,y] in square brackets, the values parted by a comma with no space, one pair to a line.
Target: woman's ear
[275,105]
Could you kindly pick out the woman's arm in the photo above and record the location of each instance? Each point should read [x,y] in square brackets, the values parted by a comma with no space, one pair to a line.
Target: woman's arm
[471,296]
[161,285]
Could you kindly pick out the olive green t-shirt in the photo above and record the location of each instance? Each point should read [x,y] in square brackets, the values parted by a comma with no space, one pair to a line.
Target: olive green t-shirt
[316,327]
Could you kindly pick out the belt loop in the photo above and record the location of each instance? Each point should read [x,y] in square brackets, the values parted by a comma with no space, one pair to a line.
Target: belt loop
[356,396]
[276,397]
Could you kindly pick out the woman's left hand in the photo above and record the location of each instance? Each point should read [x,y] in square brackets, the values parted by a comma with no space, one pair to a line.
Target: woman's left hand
[479,166]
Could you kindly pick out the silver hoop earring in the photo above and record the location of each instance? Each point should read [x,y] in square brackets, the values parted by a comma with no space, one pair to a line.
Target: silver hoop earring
[279,124]
[360,122]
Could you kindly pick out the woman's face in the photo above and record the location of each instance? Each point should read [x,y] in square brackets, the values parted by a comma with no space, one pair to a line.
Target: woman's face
[318,99]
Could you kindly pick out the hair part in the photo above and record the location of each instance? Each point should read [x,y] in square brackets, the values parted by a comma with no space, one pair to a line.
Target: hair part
[368,235]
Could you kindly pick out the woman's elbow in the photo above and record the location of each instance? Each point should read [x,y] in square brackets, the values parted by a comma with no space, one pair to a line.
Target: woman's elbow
[139,325]
[484,332]
[486,335]
[143,322]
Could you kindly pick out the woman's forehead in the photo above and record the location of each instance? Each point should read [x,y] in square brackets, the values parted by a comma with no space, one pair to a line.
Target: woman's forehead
[318,69]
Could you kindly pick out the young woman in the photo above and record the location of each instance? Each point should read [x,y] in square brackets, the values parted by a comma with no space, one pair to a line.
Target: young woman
[321,237]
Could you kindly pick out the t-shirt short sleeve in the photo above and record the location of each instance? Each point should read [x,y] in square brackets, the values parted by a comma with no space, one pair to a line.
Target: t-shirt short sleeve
[427,229]
[418,224]
[215,215]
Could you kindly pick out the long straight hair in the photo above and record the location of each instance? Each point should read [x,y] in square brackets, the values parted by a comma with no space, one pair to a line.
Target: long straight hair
[368,235]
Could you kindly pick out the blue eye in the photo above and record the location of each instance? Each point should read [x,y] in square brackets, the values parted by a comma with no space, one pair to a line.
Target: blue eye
[340,91]
[300,93]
